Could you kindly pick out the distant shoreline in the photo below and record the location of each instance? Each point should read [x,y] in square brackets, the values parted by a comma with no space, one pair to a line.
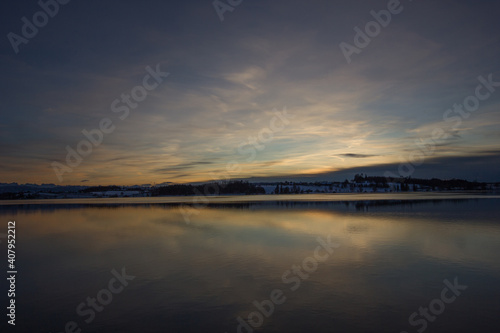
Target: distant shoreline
[360,184]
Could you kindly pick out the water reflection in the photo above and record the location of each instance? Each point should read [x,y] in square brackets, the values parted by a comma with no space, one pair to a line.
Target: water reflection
[202,275]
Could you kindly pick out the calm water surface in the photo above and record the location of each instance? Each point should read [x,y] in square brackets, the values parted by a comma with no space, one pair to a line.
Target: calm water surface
[389,261]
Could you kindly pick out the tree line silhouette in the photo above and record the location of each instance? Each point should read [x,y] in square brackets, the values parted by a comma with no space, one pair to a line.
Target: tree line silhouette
[434,183]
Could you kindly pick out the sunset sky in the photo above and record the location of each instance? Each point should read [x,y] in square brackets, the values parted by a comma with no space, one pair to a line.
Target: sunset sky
[227,81]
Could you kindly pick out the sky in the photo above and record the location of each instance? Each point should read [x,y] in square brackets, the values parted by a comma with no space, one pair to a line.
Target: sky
[149,92]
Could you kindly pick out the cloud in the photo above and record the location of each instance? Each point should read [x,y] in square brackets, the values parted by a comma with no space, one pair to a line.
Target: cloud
[227,78]
[357,155]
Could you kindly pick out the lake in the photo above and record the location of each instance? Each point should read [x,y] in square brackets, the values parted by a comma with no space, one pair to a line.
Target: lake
[302,263]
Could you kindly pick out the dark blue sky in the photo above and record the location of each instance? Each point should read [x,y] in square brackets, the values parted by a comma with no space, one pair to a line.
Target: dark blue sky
[267,92]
